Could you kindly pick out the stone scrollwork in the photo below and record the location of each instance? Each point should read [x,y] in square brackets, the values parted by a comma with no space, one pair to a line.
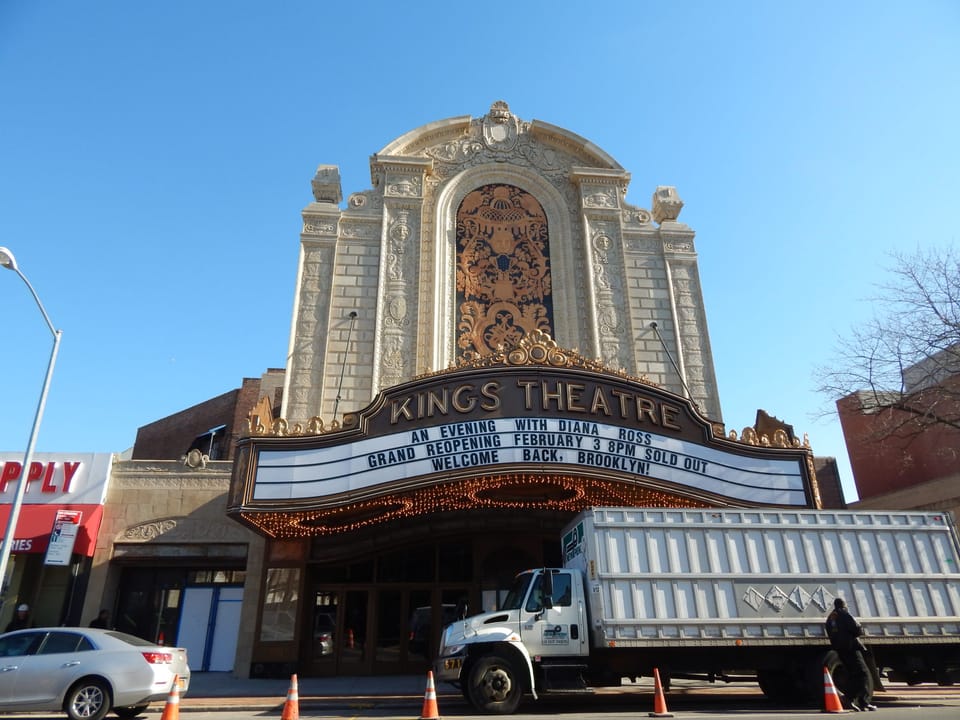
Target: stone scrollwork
[404,187]
[638,216]
[600,199]
[397,311]
[312,226]
[456,151]
[148,531]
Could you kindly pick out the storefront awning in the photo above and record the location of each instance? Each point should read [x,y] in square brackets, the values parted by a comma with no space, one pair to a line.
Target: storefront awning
[36,523]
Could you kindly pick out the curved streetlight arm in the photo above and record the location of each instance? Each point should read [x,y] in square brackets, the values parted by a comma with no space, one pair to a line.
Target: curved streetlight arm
[7,260]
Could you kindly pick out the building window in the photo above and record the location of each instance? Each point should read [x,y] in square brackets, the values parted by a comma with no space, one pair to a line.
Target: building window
[280,605]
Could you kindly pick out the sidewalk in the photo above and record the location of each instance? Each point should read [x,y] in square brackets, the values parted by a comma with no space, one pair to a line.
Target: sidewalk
[216,691]
[211,690]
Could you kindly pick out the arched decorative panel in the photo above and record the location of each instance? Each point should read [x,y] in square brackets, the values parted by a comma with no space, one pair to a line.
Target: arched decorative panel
[504,284]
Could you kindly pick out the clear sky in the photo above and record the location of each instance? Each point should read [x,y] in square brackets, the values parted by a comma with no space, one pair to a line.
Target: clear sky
[155,157]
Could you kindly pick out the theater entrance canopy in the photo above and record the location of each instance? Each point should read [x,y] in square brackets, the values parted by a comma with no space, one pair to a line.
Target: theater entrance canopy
[534,428]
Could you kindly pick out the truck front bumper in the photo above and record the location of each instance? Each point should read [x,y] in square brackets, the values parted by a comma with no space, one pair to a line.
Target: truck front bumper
[447,669]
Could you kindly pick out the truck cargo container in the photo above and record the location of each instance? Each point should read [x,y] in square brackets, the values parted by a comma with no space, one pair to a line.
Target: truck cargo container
[717,594]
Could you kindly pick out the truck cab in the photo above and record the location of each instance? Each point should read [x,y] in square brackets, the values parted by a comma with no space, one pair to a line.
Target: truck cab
[538,638]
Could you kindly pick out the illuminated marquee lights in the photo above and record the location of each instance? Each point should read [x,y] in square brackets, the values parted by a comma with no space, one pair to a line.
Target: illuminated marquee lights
[497,492]
[384,485]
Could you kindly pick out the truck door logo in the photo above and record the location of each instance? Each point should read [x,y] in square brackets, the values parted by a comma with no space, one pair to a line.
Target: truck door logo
[556,635]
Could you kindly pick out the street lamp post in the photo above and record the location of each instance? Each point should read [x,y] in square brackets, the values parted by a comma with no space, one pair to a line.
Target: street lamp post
[8,261]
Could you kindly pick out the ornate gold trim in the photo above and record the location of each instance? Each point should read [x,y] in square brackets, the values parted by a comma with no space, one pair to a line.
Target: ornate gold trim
[535,348]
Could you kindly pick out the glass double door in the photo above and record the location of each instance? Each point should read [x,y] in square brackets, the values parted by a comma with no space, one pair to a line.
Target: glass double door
[377,630]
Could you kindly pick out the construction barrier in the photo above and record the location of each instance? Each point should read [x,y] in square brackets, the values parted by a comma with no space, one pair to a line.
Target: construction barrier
[171,711]
[659,701]
[430,710]
[291,708]
[831,698]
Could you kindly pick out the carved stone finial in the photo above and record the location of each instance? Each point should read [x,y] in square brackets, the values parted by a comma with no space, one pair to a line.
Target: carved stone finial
[500,128]
[326,185]
[195,459]
[500,111]
[666,204]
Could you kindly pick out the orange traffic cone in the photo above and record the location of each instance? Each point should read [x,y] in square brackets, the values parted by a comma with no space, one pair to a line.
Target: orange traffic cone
[430,711]
[659,702]
[171,711]
[831,699]
[291,708]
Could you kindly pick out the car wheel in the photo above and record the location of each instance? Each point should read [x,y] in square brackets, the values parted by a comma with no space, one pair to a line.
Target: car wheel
[88,700]
[125,713]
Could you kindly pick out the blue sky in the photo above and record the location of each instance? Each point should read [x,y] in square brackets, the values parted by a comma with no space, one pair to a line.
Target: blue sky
[155,157]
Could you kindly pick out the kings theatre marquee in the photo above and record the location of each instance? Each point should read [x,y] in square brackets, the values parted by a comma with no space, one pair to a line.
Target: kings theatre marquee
[535,427]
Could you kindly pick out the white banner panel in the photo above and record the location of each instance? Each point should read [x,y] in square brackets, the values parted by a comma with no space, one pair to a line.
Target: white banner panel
[492,444]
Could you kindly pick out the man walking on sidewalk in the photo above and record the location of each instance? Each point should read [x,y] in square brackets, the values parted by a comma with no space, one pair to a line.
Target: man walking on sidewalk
[844,632]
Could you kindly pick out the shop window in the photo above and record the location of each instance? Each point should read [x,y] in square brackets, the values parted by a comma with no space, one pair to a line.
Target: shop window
[216,577]
[280,603]
[148,602]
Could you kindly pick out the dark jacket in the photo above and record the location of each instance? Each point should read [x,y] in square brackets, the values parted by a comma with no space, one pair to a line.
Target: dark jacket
[19,623]
[844,631]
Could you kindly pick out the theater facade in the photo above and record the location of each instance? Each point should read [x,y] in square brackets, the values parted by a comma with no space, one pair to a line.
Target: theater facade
[485,342]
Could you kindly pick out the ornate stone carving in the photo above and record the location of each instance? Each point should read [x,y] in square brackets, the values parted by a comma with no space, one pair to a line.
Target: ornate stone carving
[359,230]
[150,530]
[600,199]
[503,269]
[398,235]
[313,226]
[404,187]
[397,312]
[500,128]
[636,216]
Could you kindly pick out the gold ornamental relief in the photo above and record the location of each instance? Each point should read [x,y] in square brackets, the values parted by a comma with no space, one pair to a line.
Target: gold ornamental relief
[503,270]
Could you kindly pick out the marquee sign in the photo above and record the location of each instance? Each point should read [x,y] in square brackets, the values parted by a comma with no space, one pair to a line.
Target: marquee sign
[563,418]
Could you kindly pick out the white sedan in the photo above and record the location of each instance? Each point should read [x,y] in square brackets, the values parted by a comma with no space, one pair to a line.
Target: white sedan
[86,672]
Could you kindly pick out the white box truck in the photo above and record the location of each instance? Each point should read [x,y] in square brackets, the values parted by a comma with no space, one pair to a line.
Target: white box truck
[717,594]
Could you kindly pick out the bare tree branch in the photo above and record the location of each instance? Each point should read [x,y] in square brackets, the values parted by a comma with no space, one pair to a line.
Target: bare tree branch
[904,363]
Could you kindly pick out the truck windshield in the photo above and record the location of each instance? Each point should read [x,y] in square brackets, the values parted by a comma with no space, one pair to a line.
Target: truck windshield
[514,598]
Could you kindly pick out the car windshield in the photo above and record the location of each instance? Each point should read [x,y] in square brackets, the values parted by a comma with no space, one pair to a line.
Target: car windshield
[514,598]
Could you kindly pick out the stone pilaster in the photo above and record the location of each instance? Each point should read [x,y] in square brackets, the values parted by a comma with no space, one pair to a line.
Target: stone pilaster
[403,181]
[601,194]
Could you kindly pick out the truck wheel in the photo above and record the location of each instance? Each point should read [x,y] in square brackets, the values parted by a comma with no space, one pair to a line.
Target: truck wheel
[493,686]
[778,685]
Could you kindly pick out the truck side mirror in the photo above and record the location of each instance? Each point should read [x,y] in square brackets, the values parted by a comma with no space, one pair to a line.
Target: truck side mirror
[546,587]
